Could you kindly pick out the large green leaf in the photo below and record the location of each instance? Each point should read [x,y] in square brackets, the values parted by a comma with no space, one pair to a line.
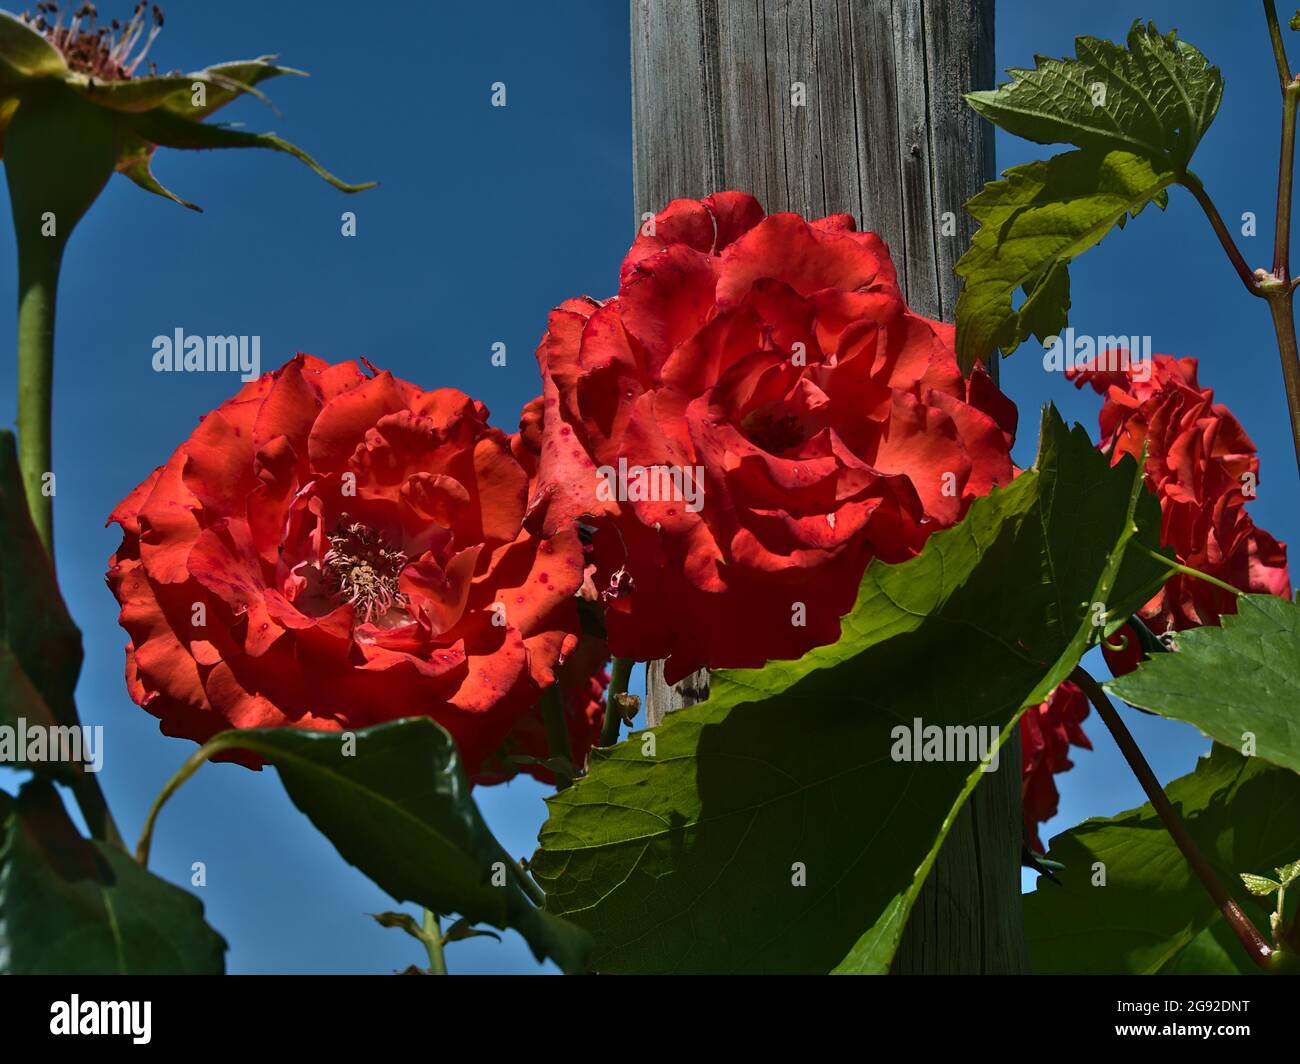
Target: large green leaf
[70,906]
[36,623]
[40,647]
[685,860]
[395,803]
[1215,951]
[1236,681]
[22,711]
[1244,815]
[1156,98]
[1032,224]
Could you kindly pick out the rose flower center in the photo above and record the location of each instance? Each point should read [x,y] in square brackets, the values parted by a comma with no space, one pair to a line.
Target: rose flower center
[362,570]
[774,432]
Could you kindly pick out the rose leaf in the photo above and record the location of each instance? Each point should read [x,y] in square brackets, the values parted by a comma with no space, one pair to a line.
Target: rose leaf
[70,906]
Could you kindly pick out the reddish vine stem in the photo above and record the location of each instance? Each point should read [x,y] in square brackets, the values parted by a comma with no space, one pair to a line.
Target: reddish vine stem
[1277,287]
[1283,312]
[1194,185]
[1285,183]
[1253,942]
[1286,164]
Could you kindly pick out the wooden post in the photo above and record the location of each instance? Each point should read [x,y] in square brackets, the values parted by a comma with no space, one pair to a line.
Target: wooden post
[882,134]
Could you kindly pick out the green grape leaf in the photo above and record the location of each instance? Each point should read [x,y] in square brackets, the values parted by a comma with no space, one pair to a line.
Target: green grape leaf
[1239,682]
[1155,98]
[1128,903]
[1033,222]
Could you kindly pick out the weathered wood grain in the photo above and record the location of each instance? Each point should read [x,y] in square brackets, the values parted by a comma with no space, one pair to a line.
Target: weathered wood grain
[883,134]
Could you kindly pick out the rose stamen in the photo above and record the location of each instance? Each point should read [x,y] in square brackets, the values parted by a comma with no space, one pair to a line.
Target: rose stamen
[101,52]
[361,570]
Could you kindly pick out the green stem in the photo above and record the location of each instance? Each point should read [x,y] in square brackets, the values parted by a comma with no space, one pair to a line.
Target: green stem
[433,943]
[620,674]
[1248,934]
[557,732]
[38,279]
[1279,45]
[39,260]
[526,882]
[1187,570]
[192,764]
[59,152]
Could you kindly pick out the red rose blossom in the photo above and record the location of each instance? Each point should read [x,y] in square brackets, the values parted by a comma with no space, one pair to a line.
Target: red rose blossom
[581,676]
[1203,468]
[354,549]
[1046,733]
[813,422]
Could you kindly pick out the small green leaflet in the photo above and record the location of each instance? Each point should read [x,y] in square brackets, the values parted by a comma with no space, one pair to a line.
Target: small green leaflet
[457,932]
[1155,98]
[1260,886]
[404,921]
[1238,680]
[1032,223]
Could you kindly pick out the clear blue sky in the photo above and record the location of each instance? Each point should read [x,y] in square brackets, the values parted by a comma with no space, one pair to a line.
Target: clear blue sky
[485,219]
